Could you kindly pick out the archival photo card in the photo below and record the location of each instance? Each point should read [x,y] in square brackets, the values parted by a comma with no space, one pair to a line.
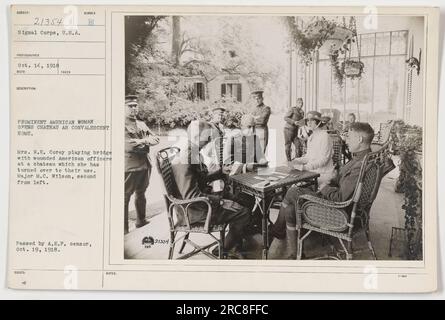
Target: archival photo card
[259,148]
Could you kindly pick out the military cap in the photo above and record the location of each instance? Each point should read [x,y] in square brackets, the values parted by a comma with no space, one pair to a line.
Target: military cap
[257,92]
[218,109]
[131,98]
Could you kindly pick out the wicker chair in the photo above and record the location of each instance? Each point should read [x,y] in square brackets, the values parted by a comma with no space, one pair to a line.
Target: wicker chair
[336,219]
[337,144]
[384,134]
[175,205]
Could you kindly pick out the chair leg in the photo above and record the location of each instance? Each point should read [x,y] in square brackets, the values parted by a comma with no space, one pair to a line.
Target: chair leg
[172,245]
[371,248]
[300,241]
[298,246]
[346,249]
[390,243]
[222,238]
[349,251]
[184,242]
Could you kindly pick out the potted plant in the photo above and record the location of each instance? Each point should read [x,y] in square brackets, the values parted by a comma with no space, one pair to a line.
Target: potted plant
[330,38]
[321,34]
[335,41]
[407,142]
[349,68]
[353,68]
[337,67]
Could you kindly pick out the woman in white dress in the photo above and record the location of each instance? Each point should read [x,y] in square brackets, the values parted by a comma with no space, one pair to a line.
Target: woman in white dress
[318,157]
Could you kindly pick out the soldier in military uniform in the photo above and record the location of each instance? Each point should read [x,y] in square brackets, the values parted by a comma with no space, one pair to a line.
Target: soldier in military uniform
[213,152]
[351,120]
[292,118]
[191,178]
[138,139]
[261,115]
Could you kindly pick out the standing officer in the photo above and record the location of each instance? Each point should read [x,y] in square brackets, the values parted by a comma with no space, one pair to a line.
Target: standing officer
[261,115]
[351,120]
[292,118]
[138,139]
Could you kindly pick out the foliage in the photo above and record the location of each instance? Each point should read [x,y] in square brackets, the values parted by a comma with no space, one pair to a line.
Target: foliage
[159,76]
[316,33]
[181,112]
[343,70]
[139,37]
[339,68]
[353,68]
[407,141]
[406,138]
[312,37]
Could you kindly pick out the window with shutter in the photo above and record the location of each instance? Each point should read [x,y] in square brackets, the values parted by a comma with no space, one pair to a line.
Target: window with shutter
[200,91]
[197,92]
[232,90]
[239,93]
[223,89]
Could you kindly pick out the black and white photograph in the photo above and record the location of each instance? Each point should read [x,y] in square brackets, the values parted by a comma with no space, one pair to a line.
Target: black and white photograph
[272,137]
[233,149]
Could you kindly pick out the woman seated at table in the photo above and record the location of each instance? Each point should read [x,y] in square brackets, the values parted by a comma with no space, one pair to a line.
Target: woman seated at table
[318,157]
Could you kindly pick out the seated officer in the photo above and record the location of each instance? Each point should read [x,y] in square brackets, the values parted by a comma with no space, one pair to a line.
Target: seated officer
[340,189]
[212,153]
[244,148]
[191,178]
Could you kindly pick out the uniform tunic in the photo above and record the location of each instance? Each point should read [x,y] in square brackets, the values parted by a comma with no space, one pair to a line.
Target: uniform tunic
[261,115]
[291,132]
[190,176]
[136,153]
[137,168]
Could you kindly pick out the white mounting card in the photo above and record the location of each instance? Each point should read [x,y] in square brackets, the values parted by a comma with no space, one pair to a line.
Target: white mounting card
[121,115]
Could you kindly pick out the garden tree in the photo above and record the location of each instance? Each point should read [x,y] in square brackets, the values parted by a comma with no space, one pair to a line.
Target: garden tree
[149,71]
[244,56]
[225,45]
[139,38]
[174,48]
[181,44]
[176,39]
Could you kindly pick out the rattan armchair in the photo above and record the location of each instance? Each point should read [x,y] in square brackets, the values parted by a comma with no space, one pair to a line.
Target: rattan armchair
[384,134]
[337,145]
[343,220]
[178,212]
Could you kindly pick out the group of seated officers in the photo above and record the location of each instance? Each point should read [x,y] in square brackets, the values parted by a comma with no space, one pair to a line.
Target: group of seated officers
[200,171]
